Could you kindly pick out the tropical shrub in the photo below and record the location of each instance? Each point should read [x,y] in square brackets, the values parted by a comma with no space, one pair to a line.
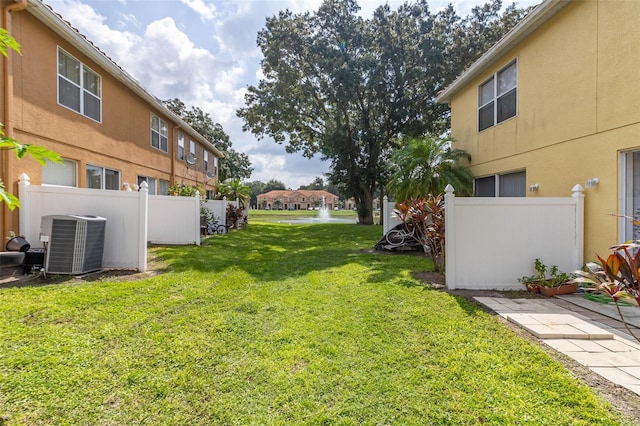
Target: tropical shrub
[617,276]
[234,215]
[426,216]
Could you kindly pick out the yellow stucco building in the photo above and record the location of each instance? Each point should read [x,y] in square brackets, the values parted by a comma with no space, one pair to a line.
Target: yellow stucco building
[556,103]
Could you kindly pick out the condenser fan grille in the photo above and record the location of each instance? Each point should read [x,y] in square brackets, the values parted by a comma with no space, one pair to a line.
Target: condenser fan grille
[76,243]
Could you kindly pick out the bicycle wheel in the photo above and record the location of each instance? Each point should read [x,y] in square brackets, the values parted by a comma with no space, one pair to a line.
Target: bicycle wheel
[221,229]
[395,237]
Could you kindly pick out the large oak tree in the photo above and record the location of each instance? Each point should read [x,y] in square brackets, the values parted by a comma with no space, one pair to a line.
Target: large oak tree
[347,88]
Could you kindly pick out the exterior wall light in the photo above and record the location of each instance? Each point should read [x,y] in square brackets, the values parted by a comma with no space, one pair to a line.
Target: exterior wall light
[592,183]
[534,187]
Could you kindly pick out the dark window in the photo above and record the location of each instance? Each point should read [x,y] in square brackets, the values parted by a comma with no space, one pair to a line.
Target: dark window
[509,185]
[513,185]
[497,97]
[485,187]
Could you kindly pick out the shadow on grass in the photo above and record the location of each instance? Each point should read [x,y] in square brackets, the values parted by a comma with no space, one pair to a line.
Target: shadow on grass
[270,252]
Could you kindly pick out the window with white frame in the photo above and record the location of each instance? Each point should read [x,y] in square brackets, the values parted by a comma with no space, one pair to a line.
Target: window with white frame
[159,133]
[215,165]
[192,152]
[501,185]
[180,146]
[64,174]
[151,182]
[497,97]
[102,178]
[206,161]
[79,88]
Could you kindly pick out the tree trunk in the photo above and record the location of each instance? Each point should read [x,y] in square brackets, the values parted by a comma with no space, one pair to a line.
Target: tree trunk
[364,204]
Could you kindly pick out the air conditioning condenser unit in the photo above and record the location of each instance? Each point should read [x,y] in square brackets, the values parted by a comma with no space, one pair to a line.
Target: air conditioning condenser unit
[74,243]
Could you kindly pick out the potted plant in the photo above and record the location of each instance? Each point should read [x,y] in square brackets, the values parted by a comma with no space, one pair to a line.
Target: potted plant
[557,283]
[17,243]
[534,282]
[552,284]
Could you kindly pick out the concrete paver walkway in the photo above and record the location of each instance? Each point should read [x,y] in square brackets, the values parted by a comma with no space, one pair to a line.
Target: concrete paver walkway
[585,331]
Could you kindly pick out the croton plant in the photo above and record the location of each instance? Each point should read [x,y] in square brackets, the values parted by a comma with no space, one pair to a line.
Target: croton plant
[426,216]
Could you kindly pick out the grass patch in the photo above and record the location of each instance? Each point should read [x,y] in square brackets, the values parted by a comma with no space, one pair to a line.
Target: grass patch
[275,324]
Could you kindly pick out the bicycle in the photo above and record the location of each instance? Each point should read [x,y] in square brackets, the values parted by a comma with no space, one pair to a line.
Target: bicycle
[215,227]
[400,235]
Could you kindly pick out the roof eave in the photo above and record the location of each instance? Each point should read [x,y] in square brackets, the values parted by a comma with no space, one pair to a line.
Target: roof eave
[534,20]
[53,21]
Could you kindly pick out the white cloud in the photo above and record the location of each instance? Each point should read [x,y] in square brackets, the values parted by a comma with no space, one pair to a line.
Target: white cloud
[285,168]
[93,26]
[207,11]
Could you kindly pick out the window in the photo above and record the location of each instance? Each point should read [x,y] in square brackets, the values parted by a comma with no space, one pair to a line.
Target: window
[215,166]
[630,200]
[102,178]
[163,188]
[60,174]
[159,133]
[505,185]
[497,97]
[192,152]
[150,181]
[485,186]
[206,161]
[180,146]
[79,88]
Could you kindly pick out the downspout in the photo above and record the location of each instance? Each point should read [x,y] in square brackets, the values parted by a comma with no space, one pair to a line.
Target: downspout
[7,160]
[176,130]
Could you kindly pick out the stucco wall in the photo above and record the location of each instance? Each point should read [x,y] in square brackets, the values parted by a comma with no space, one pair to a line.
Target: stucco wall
[578,108]
[121,141]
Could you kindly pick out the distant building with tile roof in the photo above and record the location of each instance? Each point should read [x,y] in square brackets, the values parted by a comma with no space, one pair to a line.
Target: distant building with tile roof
[299,199]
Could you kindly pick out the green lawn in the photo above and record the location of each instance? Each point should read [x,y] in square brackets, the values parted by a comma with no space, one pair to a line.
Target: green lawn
[275,324]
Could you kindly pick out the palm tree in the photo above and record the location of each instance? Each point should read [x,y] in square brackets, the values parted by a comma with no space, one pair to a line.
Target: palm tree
[426,165]
[234,189]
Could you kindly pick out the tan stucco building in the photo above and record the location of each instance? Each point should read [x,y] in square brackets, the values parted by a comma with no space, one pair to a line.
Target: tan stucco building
[299,199]
[556,103]
[63,93]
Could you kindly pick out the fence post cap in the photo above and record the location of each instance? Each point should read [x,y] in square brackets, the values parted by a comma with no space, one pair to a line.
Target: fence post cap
[24,178]
[577,190]
[449,190]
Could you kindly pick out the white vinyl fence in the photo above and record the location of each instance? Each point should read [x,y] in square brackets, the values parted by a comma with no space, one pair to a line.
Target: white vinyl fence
[389,219]
[133,218]
[491,242]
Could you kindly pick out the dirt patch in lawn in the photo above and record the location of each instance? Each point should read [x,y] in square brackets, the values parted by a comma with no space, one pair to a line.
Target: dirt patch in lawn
[624,400]
[16,277]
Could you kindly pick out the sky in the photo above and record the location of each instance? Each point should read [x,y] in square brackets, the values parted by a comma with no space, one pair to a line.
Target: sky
[204,53]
